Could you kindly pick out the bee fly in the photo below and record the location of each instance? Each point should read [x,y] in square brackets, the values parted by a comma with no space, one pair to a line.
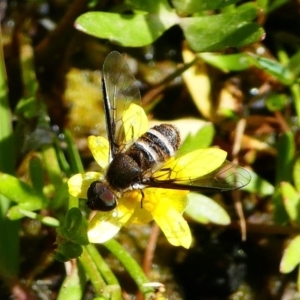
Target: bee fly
[132,166]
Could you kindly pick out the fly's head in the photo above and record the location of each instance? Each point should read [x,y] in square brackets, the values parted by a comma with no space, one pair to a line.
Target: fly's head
[100,197]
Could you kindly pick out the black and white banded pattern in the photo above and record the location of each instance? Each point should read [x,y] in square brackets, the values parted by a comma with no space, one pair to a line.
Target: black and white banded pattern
[155,146]
[148,152]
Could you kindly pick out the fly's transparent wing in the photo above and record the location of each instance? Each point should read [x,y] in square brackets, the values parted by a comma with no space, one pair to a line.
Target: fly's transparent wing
[227,177]
[200,170]
[120,89]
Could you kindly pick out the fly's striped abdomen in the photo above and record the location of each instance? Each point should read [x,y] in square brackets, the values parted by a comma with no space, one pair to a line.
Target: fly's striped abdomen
[148,152]
[155,146]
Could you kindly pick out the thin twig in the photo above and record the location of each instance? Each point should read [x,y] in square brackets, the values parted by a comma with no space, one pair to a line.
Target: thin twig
[151,246]
[240,129]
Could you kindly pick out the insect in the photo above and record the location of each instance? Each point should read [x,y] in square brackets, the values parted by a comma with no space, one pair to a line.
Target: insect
[153,159]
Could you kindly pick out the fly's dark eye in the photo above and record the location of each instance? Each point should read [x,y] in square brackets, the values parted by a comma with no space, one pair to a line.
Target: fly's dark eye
[100,197]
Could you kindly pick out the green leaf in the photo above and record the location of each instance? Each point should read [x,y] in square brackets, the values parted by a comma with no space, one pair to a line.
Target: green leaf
[73,153]
[295,91]
[204,34]
[52,166]
[46,220]
[7,149]
[259,186]
[291,256]
[27,107]
[276,102]
[284,172]
[9,230]
[285,157]
[150,6]
[202,208]
[137,29]
[202,139]
[242,61]
[294,64]
[61,197]
[9,246]
[60,257]
[75,227]
[67,251]
[20,192]
[291,200]
[274,68]
[226,63]
[280,215]
[36,173]
[73,219]
[184,7]
[296,174]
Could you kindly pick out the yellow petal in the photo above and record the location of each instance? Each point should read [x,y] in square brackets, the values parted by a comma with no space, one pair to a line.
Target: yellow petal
[79,183]
[135,122]
[105,225]
[166,207]
[99,147]
[175,228]
[159,200]
[132,201]
[192,165]
[140,215]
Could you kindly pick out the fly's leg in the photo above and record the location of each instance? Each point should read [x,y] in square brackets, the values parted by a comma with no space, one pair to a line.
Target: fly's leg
[143,196]
[167,171]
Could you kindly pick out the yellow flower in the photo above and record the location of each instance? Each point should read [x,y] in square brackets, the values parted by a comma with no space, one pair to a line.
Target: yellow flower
[165,206]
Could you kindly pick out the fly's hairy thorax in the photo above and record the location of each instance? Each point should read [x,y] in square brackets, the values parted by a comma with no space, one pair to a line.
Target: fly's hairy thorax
[147,153]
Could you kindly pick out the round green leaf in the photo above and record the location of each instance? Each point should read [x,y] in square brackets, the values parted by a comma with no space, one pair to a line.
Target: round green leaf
[296,174]
[70,250]
[258,185]
[291,200]
[291,256]
[201,208]
[276,102]
[204,34]
[202,139]
[184,7]
[75,227]
[135,30]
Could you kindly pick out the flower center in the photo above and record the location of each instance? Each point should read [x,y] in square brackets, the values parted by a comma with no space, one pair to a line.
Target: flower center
[133,196]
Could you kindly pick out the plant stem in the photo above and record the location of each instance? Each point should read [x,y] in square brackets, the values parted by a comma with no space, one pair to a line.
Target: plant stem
[131,266]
